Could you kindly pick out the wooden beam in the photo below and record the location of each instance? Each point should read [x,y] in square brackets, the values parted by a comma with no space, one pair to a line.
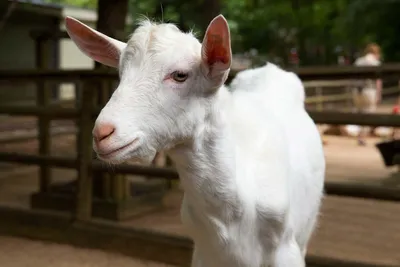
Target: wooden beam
[106,179]
[48,111]
[360,190]
[304,73]
[338,118]
[49,35]
[325,117]
[58,75]
[85,181]
[43,96]
[317,261]
[331,188]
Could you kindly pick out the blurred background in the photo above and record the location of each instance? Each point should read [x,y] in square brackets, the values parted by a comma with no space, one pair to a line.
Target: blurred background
[60,206]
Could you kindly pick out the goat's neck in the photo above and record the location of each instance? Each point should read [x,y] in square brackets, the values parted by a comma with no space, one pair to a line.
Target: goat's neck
[207,164]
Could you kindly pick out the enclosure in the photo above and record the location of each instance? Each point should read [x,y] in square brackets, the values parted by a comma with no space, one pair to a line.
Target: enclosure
[52,188]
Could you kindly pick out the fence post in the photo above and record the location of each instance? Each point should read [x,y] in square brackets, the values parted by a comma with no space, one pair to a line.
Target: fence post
[104,178]
[85,183]
[42,100]
[320,100]
[115,186]
[349,101]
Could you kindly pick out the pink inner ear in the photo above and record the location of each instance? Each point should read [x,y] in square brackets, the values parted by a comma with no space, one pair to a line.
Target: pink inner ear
[216,51]
[94,44]
[217,43]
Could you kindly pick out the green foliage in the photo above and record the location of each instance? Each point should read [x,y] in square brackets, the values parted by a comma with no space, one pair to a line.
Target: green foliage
[79,3]
[273,27]
[315,27]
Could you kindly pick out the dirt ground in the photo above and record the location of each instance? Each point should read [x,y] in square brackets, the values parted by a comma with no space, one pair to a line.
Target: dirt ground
[18,252]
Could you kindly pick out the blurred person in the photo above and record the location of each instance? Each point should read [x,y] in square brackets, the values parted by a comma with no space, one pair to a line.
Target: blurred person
[367,96]
[396,111]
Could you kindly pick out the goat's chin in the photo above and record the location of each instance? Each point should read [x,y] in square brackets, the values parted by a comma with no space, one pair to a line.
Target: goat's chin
[127,158]
[113,160]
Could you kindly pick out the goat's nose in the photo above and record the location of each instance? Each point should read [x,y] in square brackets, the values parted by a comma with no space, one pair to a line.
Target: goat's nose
[102,131]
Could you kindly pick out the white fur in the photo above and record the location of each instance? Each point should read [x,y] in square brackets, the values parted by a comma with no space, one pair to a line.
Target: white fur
[250,158]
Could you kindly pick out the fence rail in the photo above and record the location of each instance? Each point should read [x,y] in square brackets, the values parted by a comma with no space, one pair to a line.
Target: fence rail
[91,86]
[331,188]
[325,117]
[312,77]
[304,73]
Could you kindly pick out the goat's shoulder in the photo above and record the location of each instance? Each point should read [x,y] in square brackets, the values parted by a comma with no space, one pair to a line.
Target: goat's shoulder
[263,156]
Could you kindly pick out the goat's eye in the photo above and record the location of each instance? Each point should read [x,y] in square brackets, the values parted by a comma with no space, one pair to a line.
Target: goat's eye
[179,77]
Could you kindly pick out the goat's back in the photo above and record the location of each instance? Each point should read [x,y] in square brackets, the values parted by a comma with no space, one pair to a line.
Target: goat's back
[280,89]
[271,91]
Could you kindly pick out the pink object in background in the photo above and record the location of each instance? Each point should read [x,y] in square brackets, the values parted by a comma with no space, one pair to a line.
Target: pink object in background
[396,109]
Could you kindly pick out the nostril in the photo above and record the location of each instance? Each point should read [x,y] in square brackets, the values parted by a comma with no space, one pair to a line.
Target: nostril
[103,131]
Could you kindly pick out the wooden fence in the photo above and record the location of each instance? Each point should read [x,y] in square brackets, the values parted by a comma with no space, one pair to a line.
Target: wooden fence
[94,88]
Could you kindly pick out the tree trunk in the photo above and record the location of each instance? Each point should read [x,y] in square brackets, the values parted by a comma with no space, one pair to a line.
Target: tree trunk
[111,18]
[209,10]
[160,9]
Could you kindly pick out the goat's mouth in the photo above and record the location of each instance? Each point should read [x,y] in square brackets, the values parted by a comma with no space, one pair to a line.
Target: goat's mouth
[118,152]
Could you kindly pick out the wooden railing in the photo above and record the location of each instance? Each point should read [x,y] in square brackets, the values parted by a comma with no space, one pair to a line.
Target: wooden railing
[318,98]
[93,87]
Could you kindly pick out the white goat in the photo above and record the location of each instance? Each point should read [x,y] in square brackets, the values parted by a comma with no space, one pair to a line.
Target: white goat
[250,161]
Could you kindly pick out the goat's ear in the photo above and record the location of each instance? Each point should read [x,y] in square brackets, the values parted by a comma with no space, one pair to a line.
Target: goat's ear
[94,44]
[216,51]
